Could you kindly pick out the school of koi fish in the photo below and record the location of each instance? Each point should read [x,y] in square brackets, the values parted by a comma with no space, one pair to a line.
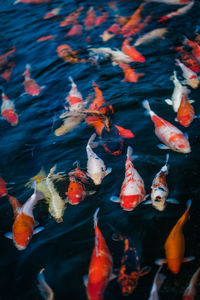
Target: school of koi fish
[58,188]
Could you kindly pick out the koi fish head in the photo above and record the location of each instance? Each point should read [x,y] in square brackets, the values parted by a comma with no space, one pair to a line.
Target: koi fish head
[181,144]
[97,177]
[127,282]
[185,120]
[158,197]
[129,202]
[75,193]
[22,239]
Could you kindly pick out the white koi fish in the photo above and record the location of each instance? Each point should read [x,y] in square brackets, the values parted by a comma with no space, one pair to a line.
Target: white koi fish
[132,190]
[171,2]
[157,283]
[115,54]
[170,135]
[45,290]
[149,36]
[190,291]
[74,99]
[190,76]
[96,168]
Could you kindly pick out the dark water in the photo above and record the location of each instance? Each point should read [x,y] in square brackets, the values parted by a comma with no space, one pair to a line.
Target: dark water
[64,249]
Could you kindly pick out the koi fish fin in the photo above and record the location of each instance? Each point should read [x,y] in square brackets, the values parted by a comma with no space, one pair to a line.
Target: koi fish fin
[9,235]
[44,288]
[145,271]
[112,276]
[162,147]
[90,193]
[169,101]
[186,135]
[37,230]
[146,105]
[173,201]
[95,217]
[126,133]
[191,101]
[43,87]
[85,280]
[115,199]
[175,119]
[147,202]
[108,171]
[160,261]
[188,259]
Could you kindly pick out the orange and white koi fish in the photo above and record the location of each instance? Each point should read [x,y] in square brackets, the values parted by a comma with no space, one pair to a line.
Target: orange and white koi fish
[170,135]
[46,38]
[149,36]
[96,168]
[110,32]
[157,283]
[54,12]
[3,189]
[188,59]
[159,189]
[190,76]
[132,190]
[133,21]
[175,245]
[195,48]
[101,19]
[30,85]
[75,30]
[90,18]
[130,269]
[129,74]
[178,12]
[185,114]
[100,269]
[8,110]
[171,2]
[74,99]
[24,222]
[132,52]
[71,18]
[190,291]
[45,290]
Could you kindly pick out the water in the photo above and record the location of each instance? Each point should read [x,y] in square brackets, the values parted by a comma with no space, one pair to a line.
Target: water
[64,249]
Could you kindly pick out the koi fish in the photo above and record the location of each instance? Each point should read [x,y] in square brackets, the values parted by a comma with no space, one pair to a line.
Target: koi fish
[68,54]
[159,189]
[133,21]
[132,52]
[178,12]
[71,18]
[136,29]
[30,85]
[195,48]
[75,30]
[129,74]
[190,291]
[69,123]
[96,168]
[157,283]
[188,59]
[8,110]
[54,12]
[190,76]
[56,205]
[46,38]
[3,189]
[45,290]
[179,91]
[31,1]
[114,54]
[175,245]
[74,98]
[110,32]
[132,190]
[185,114]
[100,269]
[6,75]
[24,222]
[90,18]
[170,135]
[171,2]
[101,19]
[3,57]
[149,36]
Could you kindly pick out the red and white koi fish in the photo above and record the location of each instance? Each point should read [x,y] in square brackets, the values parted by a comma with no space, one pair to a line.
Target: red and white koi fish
[190,291]
[3,57]
[129,74]
[132,190]
[195,48]
[96,168]
[175,245]
[32,1]
[46,38]
[157,283]
[171,2]
[100,269]
[190,76]
[188,59]
[90,18]
[45,290]
[110,32]
[101,19]
[149,36]
[74,98]
[3,189]
[30,85]
[75,30]
[170,135]
[72,17]
[54,12]
[132,52]
[185,114]
[178,12]
[24,222]
[8,110]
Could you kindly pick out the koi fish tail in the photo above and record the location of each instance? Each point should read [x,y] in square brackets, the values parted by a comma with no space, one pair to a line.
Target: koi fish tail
[44,288]
[129,152]
[72,81]
[91,140]
[94,84]
[178,62]
[146,105]
[15,204]
[166,166]
[95,217]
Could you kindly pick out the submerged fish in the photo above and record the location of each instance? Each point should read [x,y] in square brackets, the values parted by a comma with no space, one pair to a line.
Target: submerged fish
[149,36]
[157,283]
[45,290]
[30,85]
[132,52]
[178,12]
[8,110]
[190,291]
[129,74]
[190,76]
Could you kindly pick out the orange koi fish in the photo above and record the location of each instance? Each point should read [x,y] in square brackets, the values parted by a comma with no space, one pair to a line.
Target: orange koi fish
[45,290]
[101,19]
[175,245]
[130,270]
[185,113]
[129,74]
[68,54]
[71,18]
[75,30]
[24,221]
[8,110]
[178,12]
[133,21]
[100,269]
[195,48]
[54,12]
[190,291]
[138,28]
[3,189]
[188,59]
[132,190]
[46,38]
[90,18]
[3,57]
[30,85]
[132,52]
[170,135]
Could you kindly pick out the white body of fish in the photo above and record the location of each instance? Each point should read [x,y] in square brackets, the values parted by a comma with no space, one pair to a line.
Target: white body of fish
[115,54]
[45,290]
[171,2]
[149,36]
[96,168]
[190,76]
[157,283]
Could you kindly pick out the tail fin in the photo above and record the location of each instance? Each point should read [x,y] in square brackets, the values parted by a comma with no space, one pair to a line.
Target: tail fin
[129,152]
[91,139]
[178,62]
[28,66]
[166,166]
[188,203]
[72,81]
[95,217]
[94,84]
[146,105]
